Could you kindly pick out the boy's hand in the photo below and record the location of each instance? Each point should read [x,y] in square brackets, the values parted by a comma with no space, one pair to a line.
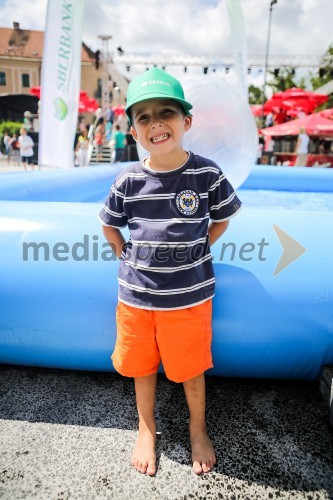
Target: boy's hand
[115,239]
[215,230]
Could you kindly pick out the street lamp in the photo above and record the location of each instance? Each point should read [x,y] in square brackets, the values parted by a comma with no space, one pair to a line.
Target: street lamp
[273,2]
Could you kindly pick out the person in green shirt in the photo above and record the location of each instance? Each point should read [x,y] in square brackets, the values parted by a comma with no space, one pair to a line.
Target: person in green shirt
[119,144]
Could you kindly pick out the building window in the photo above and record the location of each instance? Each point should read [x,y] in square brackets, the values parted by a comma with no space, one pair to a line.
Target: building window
[2,78]
[25,80]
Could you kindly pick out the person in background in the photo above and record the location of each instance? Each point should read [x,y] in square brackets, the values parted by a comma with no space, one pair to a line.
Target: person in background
[119,142]
[302,148]
[260,150]
[269,121]
[269,148]
[6,143]
[82,148]
[131,150]
[14,152]
[321,148]
[26,145]
[99,141]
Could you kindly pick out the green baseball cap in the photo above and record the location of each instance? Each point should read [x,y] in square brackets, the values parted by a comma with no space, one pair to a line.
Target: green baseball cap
[152,84]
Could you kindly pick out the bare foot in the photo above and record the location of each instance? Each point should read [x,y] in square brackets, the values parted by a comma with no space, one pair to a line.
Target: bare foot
[144,456]
[203,454]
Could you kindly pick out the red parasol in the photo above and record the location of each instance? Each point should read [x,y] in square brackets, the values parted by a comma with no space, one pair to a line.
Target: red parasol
[295,98]
[296,93]
[315,125]
[118,109]
[327,113]
[86,104]
[256,109]
[35,91]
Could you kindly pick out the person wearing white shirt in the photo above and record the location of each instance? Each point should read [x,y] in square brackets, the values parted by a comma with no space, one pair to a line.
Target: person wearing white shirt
[26,148]
[302,148]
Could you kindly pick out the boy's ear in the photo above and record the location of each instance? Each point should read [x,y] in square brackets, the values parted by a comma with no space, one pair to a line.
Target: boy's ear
[187,122]
[134,134]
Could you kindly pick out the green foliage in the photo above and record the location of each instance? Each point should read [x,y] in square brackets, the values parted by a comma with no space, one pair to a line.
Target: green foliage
[255,95]
[11,127]
[284,80]
[325,73]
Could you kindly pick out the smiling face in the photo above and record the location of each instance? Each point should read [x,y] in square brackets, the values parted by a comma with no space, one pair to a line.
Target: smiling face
[159,125]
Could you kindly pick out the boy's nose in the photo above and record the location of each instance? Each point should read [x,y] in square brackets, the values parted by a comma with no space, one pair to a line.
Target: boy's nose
[156,121]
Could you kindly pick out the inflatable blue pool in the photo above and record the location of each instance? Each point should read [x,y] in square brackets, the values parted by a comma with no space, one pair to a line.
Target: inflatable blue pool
[273,309]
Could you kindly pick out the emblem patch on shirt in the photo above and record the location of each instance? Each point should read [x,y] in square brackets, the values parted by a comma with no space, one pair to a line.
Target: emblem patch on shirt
[187,202]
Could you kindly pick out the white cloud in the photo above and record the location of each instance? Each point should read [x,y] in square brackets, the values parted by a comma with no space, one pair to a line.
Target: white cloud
[298,26]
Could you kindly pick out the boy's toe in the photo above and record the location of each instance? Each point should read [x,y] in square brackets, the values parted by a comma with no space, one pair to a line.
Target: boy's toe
[151,469]
[143,467]
[197,467]
[206,466]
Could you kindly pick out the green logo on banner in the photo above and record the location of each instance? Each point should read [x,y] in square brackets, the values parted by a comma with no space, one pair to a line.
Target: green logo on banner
[60,108]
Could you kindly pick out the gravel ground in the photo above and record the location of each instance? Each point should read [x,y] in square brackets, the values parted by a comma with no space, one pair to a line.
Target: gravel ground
[69,435]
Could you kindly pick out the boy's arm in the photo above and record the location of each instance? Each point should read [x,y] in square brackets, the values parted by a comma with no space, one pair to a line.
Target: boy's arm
[215,230]
[115,239]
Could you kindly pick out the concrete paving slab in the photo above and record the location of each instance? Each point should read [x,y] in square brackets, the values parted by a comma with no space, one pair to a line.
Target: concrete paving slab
[69,435]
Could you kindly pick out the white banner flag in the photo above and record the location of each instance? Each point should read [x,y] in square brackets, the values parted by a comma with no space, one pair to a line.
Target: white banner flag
[61,75]
[238,38]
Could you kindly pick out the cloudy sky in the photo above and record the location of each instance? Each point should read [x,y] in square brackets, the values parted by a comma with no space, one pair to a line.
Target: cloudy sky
[195,26]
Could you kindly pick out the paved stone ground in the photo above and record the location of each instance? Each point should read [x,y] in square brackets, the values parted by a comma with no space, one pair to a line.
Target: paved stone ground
[69,435]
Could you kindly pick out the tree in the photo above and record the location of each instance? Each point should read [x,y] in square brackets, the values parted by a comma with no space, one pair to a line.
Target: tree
[284,79]
[325,73]
[255,95]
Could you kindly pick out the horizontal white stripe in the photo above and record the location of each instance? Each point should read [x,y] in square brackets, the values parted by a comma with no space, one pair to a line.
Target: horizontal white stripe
[114,214]
[129,175]
[168,269]
[169,221]
[147,197]
[168,243]
[110,225]
[224,202]
[202,170]
[217,183]
[166,308]
[227,218]
[174,291]
[117,193]
[164,196]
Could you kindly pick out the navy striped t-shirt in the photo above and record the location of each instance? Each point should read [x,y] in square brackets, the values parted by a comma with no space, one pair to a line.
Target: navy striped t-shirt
[166,264]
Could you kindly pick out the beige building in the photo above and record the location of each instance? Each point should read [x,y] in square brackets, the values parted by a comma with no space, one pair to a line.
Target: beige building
[21,53]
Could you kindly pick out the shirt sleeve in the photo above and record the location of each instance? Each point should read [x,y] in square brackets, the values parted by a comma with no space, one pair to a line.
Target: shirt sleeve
[223,201]
[112,212]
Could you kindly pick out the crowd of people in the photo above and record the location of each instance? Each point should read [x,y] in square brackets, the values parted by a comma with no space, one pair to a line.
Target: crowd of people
[108,131]
[19,149]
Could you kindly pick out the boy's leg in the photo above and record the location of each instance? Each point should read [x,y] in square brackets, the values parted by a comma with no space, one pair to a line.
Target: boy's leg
[144,455]
[203,454]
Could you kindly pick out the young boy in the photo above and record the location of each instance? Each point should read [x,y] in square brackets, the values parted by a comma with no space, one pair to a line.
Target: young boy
[166,280]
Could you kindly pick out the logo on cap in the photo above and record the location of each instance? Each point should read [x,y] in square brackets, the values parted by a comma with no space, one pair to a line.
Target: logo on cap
[155,82]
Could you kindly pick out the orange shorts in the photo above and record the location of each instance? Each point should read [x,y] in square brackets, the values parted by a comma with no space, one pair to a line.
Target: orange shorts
[180,338]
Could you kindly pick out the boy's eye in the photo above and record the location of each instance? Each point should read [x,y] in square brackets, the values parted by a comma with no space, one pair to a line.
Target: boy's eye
[142,118]
[166,111]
